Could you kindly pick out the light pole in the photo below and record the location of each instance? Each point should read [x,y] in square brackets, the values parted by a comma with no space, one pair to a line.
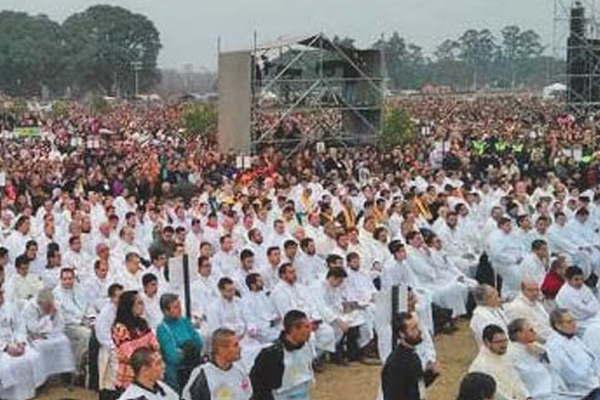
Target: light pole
[137,67]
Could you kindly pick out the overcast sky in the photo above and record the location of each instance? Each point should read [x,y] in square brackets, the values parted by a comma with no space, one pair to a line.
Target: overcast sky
[189,28]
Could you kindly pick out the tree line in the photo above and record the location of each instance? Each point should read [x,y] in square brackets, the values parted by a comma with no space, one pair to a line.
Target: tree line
[476,59]
[96,50]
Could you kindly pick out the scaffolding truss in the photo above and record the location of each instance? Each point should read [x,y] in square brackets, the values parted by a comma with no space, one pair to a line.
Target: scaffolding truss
[576,39]
[311,89]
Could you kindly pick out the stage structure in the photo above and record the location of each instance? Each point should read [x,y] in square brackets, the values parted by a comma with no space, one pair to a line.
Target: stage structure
[577,40]
[298,92]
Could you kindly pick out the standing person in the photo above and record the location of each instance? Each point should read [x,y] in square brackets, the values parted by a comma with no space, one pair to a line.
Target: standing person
[283,371]
[222,377]
[148,369]
[403,376]
[180,344]
[130,331]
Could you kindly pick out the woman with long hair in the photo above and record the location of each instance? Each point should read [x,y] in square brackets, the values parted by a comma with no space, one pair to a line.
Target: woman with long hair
[130,332]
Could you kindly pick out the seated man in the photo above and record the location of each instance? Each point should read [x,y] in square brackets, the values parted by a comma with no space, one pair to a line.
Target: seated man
[264,323]
[45,329]
[492,360]
[347,320]
[576,297]
[77,314]
[528,306]
[488,311]
[570,358]
[20,374]
[528,359]
[23,285]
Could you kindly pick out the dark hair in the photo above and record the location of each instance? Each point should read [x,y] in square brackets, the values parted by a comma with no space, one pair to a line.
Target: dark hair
[156,254]
[222,238]
[112,289]
[476,386]
[251,279]
[332,259]
[131,255]
[66,270]
[224,282]
[489,332]
[246,253]
[272,249]
[21,261]
[305,242]
[3,251]
[400,320]
[125,313]
[538,244]
[289,243]
[351,256]
[148,278]
[573,271]
[282,268]
[30,243]
[336,272]
[292,318]
[395,245]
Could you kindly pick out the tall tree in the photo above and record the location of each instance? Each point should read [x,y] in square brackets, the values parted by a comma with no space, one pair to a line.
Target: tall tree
[103,44]
[31,49]
[477,50]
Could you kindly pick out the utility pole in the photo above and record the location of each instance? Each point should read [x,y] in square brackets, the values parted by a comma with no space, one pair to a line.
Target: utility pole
[137,67]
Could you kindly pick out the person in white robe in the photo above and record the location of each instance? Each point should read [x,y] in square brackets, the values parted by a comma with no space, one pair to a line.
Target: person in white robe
[530,361]
[269,272]
[96,285]
[226,312]
[571,360]
[226,261]
[506,253]
[445,268]
[77,314]
[17,240]
[576,297]
[527,305]
[77,259]
[204,292]
[456,243]
[494,361]
[264,323]
[308,264]
[20,374]
[359,288]
[289,295]
[561,242]
[150,295]
[447,294]
[45,329]
[131,276]
[23,285]
[107,361]
[396,272]
[489,311]
[50,274]
[536,264]
[158,266]
[340,314]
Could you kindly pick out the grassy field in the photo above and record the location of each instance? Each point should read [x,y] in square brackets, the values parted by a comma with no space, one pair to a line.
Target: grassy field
[358,382]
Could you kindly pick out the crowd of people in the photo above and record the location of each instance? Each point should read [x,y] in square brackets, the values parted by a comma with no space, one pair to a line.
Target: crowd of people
[297,262]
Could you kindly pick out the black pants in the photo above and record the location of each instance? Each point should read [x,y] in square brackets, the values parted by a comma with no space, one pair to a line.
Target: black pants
[93,350]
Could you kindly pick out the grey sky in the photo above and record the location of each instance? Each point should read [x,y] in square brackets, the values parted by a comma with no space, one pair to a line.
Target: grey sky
[189,28]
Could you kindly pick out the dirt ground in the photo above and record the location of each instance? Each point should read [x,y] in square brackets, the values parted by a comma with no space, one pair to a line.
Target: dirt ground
[357,382]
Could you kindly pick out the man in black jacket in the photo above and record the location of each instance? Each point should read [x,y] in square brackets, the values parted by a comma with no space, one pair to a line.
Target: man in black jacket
[402,377]
[284,369]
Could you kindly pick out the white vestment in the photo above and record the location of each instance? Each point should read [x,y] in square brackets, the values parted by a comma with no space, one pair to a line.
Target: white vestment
[582,304]
[533,312]
[484,316]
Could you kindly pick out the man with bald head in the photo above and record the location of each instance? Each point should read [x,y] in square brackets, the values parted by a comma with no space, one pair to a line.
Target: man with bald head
[527,305]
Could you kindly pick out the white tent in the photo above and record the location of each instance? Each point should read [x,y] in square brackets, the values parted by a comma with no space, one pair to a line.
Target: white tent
[554,90]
